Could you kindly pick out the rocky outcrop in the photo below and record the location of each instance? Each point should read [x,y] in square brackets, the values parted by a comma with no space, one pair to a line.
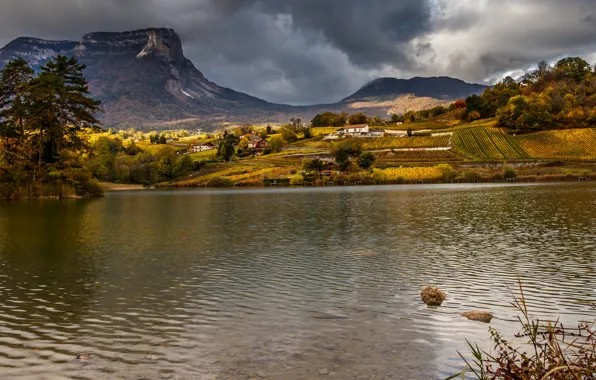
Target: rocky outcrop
[138,43]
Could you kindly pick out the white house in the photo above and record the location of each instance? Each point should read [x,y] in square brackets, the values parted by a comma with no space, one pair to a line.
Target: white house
[356,129]
[202,147]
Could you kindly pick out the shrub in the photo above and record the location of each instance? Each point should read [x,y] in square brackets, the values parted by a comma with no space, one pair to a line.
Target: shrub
[471,176]
[220,182]
[553,351]
[276,143]
[366,160]
[340,179]
[509,172]
[297,180]
[474,115]
[447,171]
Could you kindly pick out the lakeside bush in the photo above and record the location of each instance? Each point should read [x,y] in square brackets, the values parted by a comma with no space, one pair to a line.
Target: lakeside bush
[219,182]
[551,350]
[297,180]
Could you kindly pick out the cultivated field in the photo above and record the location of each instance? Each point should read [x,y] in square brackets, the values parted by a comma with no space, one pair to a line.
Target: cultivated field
[566,144]
[406,142]
[489,144]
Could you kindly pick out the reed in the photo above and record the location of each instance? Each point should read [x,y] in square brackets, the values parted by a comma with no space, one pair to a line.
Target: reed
[552,351]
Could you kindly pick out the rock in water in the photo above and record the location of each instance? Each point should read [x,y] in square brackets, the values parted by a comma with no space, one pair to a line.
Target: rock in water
[432,296]
[481,316]
[83,357]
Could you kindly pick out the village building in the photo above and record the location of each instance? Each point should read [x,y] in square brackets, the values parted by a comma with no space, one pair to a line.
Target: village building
[355,130]
[330,169]
[258,144]
[362,131]
[202,147]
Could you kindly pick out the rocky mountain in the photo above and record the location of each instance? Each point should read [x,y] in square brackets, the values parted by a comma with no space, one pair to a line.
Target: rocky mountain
[440,88]
[144,81]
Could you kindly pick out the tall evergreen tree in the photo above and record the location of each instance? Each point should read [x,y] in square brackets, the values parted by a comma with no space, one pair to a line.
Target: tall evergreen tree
[75,108]
[14,86]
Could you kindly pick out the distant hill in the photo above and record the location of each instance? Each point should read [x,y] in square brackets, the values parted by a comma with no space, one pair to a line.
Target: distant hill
[440,88]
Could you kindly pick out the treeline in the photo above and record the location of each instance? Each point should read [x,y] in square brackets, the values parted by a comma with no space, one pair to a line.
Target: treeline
[550,97]
[330,119]
[110,161]
[42,120]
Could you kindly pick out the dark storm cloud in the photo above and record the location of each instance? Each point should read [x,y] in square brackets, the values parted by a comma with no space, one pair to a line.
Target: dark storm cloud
[309,51]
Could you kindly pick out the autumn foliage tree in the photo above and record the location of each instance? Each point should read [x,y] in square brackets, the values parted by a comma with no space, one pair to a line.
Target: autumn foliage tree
[357,118]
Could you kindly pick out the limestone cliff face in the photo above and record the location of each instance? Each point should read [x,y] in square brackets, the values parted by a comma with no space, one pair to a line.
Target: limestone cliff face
[138,43]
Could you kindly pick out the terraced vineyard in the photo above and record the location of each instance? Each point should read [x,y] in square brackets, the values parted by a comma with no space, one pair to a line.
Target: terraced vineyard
[566,144]
[322,131]
[489,144]
[406,142]
[418,155]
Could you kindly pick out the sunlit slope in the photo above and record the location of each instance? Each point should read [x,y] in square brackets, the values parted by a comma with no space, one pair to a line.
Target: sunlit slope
[495,144]
[564,144]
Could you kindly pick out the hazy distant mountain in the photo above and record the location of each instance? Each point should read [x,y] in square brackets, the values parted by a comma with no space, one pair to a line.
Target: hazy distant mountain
[144,80]
[441,88]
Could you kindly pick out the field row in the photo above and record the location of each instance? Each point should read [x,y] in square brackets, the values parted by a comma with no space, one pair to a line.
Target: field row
[567,144]
[489,144]
[495,144]
[406,142]
[417,155]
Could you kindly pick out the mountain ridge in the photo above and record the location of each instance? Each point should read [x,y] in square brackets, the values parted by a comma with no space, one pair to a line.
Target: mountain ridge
[143,78]
[439,87]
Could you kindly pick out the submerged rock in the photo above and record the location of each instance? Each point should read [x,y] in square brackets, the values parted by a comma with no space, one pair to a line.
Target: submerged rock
[432,296]
[480,316]
[83,357]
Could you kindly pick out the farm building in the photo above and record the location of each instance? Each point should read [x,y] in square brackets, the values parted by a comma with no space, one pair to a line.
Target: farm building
[258,144]
[202,147]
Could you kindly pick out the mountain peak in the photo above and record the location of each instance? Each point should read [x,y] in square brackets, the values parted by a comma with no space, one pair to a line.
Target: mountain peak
[442,87]
[138,43]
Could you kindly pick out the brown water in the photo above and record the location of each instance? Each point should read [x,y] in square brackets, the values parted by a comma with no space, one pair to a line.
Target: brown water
[283,284]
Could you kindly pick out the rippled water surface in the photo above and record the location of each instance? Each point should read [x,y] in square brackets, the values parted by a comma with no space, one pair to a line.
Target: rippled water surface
[283,284]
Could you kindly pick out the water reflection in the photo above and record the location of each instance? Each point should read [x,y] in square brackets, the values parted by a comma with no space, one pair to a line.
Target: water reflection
[283,283]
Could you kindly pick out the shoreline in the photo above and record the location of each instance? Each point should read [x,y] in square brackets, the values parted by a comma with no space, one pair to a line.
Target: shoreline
[108,186]
[517,180]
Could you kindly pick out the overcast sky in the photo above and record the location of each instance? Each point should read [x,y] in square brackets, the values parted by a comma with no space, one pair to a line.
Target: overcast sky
[314,51]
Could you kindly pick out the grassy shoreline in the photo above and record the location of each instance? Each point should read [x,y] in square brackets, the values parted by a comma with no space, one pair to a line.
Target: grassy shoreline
[108,186]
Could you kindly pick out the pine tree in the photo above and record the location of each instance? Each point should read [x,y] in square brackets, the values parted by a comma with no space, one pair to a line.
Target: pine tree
[76,108]
[14,85]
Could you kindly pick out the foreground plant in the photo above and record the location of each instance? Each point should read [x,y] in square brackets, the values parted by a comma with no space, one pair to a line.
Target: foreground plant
[551,351]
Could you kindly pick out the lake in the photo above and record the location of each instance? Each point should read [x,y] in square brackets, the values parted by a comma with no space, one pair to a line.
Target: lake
[284,283]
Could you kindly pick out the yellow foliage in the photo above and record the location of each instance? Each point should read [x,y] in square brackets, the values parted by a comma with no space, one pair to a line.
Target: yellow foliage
[406,142]
[409,174]
[578,144]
